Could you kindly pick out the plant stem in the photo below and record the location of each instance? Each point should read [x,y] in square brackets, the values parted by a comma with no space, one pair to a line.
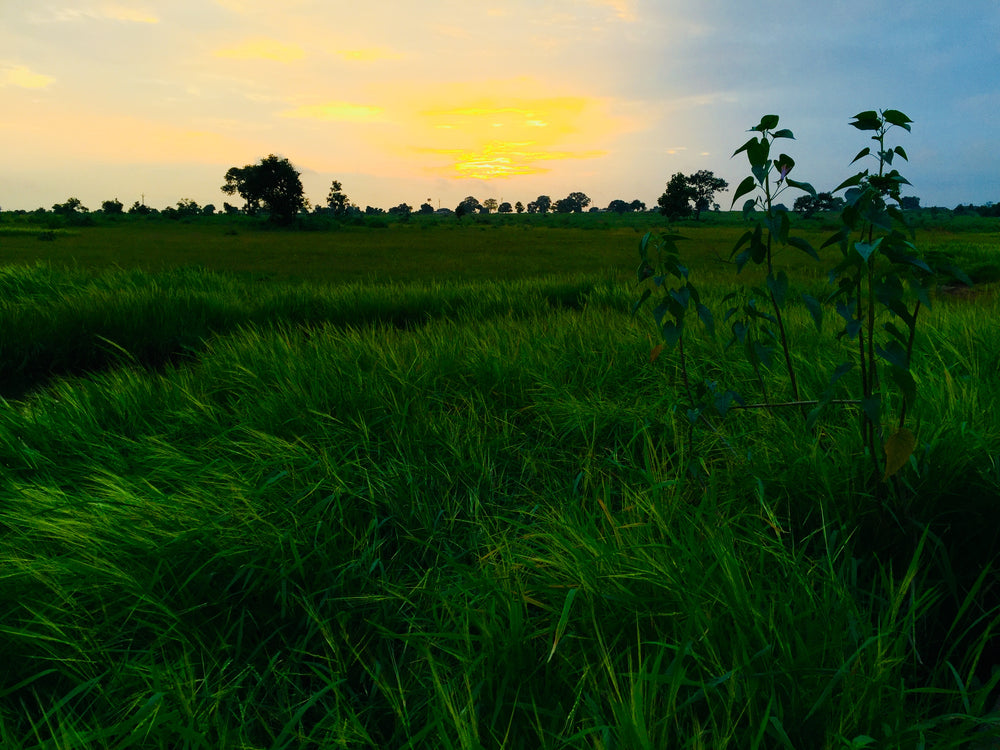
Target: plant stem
[785,347]
[909,355]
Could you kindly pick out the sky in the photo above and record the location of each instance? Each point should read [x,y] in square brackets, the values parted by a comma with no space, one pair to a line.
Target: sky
[405,102]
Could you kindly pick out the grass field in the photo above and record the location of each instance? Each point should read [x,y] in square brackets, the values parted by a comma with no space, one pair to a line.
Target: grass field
[421,486]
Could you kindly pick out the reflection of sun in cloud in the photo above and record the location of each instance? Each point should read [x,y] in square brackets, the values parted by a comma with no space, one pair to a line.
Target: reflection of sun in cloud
[508,134]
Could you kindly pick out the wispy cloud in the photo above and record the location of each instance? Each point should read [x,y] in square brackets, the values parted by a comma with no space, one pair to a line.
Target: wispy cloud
[262,49]
[624,9]
[108,11]
[335,112]
[23,77]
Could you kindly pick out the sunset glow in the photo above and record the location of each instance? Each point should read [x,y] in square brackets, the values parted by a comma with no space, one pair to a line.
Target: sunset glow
[609,97]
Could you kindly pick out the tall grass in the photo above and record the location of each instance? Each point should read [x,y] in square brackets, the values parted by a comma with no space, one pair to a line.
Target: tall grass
[460,516]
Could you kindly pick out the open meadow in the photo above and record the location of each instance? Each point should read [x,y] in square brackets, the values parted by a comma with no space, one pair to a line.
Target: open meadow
[422,485]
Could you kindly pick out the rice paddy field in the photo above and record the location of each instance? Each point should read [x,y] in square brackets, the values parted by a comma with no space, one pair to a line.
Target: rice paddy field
[423,486]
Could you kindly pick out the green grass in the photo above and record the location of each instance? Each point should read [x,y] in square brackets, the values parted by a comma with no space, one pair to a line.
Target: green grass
[249,513]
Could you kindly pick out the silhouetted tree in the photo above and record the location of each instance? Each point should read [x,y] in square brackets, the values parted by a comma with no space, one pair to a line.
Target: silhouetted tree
[505,208]
[807,205]
[637,205]
[619,207]
[402,211]
[71,206]
[909,203]
[273,184]
[543,204]
[469,205]
[676,199]
[426,208]
[490,205]
[580,201]
[705,185]
[187,207]
[519,207]
[337,200]
[112,207]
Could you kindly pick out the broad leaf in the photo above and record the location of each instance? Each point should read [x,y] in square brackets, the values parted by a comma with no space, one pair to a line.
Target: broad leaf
[768,122]
[905,382]
[897,334]
[758,250]
[659,313]
[802,186]
[861,154]
[898,450]
[894,354]
[800,244]
[815,310]
[867,121]
[655,353]
[841,371]
[744,147]
[671,334]
[895,117]
[872,407]
[783,133]
[643,298]
[706,318]
[778,286]
[740,330]
[852,181]
[745,187]
[744,238]
[758,152]
[866,250]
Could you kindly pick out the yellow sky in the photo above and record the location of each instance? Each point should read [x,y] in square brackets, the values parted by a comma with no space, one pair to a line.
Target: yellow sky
[473,99]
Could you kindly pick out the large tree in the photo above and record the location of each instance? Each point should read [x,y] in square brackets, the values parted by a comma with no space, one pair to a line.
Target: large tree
[683,191]
[676,199]
[578,201]
[273,184]
[705,184]
[543,204]
[469,205]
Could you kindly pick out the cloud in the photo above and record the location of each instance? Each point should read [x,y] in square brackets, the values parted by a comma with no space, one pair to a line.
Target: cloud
[118,12]
[262,49]
[22,77]
[335,112]
[624,9]
[108,11]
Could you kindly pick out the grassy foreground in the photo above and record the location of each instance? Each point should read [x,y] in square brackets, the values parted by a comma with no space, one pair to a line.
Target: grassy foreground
[238,514]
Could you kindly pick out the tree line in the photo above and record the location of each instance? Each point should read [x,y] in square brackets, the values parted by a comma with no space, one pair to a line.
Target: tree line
[274,185]
[273,188]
